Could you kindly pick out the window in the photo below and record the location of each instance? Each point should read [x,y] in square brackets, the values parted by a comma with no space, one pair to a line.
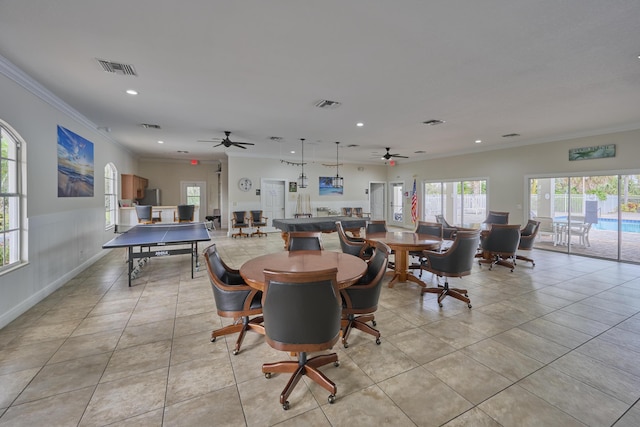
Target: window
[110,195]
[462,203]
[10,198]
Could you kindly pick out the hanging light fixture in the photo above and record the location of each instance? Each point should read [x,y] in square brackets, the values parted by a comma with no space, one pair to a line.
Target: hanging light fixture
[303,182]
[337,181]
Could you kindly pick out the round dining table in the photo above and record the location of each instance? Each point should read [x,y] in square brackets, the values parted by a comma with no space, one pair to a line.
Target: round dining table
[350,268]
[402,242]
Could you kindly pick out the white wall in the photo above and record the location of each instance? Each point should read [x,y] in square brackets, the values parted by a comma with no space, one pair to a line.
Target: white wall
[64,235]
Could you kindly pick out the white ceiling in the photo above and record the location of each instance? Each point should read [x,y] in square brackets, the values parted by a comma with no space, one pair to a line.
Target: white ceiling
[545,69]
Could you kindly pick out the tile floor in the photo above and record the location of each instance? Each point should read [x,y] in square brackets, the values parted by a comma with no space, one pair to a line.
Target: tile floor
[554,345]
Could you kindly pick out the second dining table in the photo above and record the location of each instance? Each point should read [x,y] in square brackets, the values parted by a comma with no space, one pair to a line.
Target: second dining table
[403,242]
[350,268]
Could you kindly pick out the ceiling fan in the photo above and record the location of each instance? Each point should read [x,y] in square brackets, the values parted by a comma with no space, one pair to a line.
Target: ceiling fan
[388,155]
[228,143]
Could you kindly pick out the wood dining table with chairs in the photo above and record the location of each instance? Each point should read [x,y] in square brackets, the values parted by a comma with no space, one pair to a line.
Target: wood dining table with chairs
[402,242]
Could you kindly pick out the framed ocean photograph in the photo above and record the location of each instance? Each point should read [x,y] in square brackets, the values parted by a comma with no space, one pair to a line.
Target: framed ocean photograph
[326,189]
[75,165]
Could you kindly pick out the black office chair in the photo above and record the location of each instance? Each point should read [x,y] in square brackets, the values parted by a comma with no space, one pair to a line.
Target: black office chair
[305,241]
[239,221]
[427,228]
[352,245]
[500,245]
[360,300]
[257,221]
[145,214]
[448,230]
[376,226]
[457,261]
[234,298]
[184,213]
[527,237]
[302,314]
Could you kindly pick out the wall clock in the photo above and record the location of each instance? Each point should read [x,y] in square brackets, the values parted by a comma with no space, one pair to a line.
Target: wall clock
[244,184]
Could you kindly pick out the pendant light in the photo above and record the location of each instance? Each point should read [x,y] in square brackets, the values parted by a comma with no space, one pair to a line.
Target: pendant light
[337,181]
[303,182]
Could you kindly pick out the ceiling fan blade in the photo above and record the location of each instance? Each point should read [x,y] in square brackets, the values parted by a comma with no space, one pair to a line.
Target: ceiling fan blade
[237,144]
[399,156]
[243,143]
[222,143]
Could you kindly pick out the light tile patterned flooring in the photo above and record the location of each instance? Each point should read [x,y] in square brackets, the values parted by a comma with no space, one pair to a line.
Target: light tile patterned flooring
[554,345]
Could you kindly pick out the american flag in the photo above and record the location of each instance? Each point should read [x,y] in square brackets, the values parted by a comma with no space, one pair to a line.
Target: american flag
[414,203]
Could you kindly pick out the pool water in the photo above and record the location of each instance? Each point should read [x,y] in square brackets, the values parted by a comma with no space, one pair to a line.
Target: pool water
[628,225]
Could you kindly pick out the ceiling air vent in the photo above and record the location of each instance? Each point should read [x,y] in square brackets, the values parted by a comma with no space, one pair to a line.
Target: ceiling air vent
[433,122]
[149,126]
[276,138]
[325,103]
[510,135]
[117,68]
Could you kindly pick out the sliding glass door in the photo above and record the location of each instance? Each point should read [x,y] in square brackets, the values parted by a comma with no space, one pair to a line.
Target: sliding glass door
[462,203]
[595,215]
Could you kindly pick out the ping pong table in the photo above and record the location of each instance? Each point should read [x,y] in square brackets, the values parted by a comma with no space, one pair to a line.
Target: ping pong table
[156,238]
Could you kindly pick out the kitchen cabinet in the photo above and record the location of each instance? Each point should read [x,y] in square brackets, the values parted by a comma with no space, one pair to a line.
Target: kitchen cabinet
[133,186]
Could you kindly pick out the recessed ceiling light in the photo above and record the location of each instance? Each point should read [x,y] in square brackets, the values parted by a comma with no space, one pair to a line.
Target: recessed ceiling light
[160,142]
[132,92]
[478,141]
[359,124]
[292,152]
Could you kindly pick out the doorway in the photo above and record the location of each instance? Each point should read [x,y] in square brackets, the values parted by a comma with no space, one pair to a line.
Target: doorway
[377,200]
[194,193]
[396,190]
[272,199]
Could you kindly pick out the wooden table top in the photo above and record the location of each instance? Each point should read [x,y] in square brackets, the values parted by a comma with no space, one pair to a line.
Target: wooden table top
[350,268]
[405,240]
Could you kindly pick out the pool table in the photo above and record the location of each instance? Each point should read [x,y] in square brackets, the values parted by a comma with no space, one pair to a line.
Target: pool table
[325,224]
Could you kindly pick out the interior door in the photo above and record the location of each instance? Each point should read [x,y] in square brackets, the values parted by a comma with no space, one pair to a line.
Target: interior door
[272,199]
[195,193]
[396,190]
[377,200]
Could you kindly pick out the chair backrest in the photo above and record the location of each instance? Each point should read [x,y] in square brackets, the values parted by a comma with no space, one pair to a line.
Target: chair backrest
[256,218]
[376,226]
[144,213]
[216,213]
[497,218]
[440,219]
[305,241]
[231,293]
[239,217]
[458,260]
[429,228]
[357,212]
[348,246]
[301,310]
[502,239]
[346,211]
[185,212]
[365,293]
[546,224]
[528,234]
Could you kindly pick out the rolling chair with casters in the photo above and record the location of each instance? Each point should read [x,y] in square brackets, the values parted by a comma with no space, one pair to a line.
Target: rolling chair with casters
[302,315]
[239,221]
[257,221]
[234,298]
[184,213]
[527,237]
[352,245]
[457,261]
[360,300]
[431,229]
[448,230]
[494,217]
[304,241]
[379,226]
[500,246]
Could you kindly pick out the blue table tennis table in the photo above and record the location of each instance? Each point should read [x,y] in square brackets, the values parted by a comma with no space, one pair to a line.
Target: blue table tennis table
[155,240]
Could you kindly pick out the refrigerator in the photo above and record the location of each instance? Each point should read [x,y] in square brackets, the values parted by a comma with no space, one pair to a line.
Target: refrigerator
[151,197]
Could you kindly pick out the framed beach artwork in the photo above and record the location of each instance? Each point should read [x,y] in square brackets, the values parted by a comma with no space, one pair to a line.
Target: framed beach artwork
[75,165]
[326,189]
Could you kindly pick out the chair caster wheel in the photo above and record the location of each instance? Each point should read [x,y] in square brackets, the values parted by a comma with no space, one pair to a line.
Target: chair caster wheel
[469,305]
[345,345]
[285,405]
[440,304]
[373,322]
[331,398]
[235,352]
[213,339]
[378,341]
[267,375]
[336,363]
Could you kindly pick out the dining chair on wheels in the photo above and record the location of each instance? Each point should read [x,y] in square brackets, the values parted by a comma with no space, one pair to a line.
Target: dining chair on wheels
[302,315]
[448,230]
[527,237]
[234,298]
[239,221]
[184,213]
[494,217]
[376,226]
[500,246]
[352,245]
[430,229]
[360,300]
[457,261]
[305,241]
[257,221]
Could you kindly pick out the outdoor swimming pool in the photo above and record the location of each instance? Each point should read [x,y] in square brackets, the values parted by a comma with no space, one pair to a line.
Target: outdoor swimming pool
[628,225]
